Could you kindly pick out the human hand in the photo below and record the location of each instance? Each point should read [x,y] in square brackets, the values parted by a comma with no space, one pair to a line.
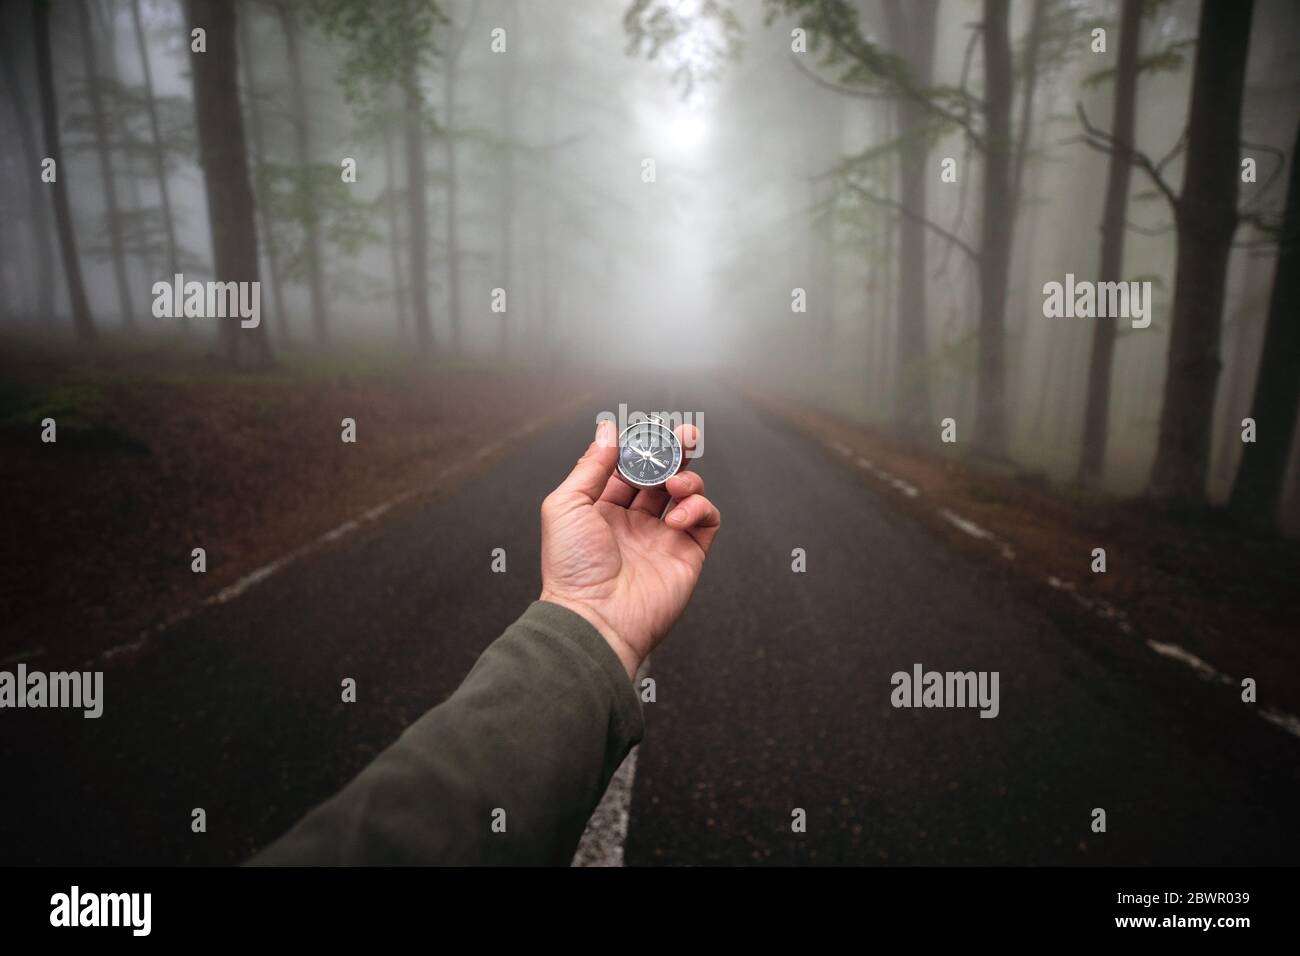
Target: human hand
[608,556]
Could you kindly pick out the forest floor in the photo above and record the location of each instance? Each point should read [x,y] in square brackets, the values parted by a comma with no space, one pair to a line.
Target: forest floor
[162,449]
[1196,588]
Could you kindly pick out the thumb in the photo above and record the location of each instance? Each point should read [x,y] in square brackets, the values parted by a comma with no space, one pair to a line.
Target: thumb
[593,469]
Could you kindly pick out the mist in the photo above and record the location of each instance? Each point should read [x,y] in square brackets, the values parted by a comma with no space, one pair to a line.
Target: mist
[730,188]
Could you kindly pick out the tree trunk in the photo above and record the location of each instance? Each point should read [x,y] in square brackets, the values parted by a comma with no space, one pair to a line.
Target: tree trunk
[37,211]
[1258,487]
[1042,8]
[82,320]
[105,155]
[6,304]
[259,180]
[394,239]
[508,182]
[1206,218]
[547,253]
[453,219]
[413,123]
[306,186]
[106,27]
[995,234]
[1097,409]
[1247,321]
[224,160]
[159,154]
[912,29]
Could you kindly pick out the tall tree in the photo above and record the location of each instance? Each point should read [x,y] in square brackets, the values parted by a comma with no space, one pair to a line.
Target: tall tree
[82,320]
[224,160]
[158,152]
[451,66]
[418,222]
[391,189]
[1258,486]
[912,28]
[1205,215]
[388,45]
[307,204]
[995,233]
[104,153]
[261,193]
[1113,227]
[1029,67]
[509,92]
[37,211]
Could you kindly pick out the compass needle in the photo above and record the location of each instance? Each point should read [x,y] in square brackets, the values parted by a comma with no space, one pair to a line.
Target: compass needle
[657,450]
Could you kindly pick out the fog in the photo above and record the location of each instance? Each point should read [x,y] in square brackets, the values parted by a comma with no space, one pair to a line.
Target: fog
[699,184]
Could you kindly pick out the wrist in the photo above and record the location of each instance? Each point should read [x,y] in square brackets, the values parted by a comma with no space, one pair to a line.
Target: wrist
[630,659]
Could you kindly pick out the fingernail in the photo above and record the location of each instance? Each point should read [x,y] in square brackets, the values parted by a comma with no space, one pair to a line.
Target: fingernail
[679,517]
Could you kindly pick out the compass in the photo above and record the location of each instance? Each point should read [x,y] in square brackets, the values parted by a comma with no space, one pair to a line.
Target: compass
[648,453]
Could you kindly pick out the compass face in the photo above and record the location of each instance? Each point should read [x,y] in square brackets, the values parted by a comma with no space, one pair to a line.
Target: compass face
[648,454]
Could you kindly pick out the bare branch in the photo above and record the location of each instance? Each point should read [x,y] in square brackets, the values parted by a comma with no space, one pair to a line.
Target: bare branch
[1104,142]
[1150,230]
[915,217]
[1174,151]
[902,85]
[838,88]
[962,189]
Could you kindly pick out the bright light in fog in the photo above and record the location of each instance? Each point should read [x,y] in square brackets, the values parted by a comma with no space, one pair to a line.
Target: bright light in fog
[687,130]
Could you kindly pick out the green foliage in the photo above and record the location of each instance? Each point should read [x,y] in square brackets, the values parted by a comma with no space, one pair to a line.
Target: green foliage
[344,220]
[144,234]
[695,38]
[865,67]
[387,43]
[1169,60]
[72,404]
[126,114]
[129,138]
[1066,33]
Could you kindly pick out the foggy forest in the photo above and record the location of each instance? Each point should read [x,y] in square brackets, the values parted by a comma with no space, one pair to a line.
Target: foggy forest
[1102,155]
[1040,253]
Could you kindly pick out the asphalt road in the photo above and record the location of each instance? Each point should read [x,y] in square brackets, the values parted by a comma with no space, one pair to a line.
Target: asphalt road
[773,691]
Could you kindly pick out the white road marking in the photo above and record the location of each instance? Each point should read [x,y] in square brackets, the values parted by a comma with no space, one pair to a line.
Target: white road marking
[907,489]
[1099,606]
[1287,722]
[975,531]
[1203,670]
[257,576]
[970,527]
[602,841]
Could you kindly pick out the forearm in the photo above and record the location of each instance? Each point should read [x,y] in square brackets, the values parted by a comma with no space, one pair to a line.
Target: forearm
[536,730]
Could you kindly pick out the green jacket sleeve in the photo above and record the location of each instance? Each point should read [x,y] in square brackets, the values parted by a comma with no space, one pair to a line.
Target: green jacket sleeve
[536,730]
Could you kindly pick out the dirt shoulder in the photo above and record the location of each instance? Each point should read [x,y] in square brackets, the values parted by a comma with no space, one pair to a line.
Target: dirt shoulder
[1198,587]
[159,453]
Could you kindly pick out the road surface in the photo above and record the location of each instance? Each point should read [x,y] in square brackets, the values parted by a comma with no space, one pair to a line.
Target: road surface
[773,693]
